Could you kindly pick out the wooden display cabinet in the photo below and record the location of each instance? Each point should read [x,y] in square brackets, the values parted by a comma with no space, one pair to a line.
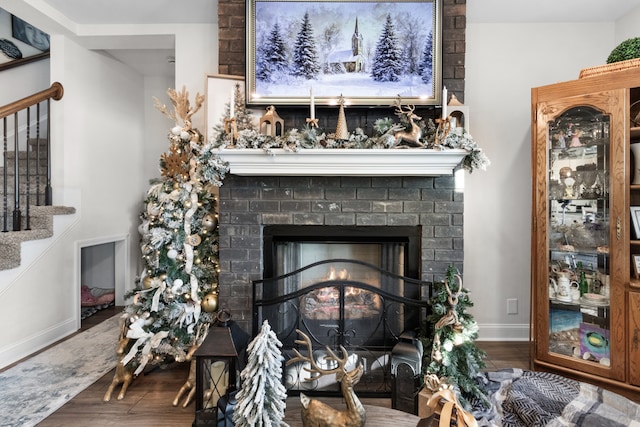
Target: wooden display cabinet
[585,312]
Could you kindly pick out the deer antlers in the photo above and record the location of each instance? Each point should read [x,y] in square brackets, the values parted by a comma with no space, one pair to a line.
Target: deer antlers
[182,108]
[409,111]
[315,370]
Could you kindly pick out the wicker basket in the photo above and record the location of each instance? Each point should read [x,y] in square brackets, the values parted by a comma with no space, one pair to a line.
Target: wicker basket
[615,66]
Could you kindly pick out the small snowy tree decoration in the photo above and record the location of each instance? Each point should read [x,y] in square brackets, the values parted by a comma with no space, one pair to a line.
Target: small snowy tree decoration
[261,399]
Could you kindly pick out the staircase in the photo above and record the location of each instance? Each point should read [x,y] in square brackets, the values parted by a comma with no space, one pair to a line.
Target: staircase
[35,213]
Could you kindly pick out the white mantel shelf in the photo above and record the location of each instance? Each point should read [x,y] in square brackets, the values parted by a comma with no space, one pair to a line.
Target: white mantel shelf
[341,162]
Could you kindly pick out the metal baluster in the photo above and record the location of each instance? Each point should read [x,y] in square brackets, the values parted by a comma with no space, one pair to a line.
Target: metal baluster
[38,165]
[28,186]
[16,160]
[48,200]
[5,200]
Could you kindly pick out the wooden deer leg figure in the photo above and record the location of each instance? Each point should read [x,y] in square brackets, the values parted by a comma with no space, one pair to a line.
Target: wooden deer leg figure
[123,374]
[190,384]
[318,414]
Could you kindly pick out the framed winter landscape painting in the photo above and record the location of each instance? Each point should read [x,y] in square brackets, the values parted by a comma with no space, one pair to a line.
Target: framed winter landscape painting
[367,51]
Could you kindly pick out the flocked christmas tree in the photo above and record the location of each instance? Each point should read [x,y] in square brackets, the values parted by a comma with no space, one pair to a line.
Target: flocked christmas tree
[242,120]
[451,355]
[261,398]
[177,294]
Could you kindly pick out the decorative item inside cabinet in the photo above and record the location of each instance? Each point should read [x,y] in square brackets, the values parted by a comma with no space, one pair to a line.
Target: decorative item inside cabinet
[634,187]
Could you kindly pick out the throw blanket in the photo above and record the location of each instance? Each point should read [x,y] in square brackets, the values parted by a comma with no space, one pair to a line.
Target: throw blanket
[528,398]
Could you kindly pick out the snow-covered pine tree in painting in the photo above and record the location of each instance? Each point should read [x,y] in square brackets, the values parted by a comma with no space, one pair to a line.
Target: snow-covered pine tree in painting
[271,59]
[411,38]
[387,60]
[305,55]
[261,399]
[426,64]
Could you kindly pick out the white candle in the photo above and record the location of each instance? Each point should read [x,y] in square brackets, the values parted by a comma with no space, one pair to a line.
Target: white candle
[232,103]
[445,97]
[312,103]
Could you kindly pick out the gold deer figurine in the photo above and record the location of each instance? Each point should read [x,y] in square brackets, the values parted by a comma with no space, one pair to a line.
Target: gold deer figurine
[412,137]
[318,414]
[189,385]
[123,374]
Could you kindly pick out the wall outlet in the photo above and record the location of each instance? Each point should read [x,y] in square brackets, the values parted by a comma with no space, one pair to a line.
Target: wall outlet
[512,305]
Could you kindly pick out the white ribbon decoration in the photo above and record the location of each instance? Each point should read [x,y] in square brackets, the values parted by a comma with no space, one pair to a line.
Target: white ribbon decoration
[155,301]
[147,355]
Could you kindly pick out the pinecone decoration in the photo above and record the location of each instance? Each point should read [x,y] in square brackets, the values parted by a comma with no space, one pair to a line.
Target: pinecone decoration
[341,128]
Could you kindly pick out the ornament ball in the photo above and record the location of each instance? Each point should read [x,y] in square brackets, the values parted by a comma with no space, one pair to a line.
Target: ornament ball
[172,253]
[147,282]
[209,222]
[176,130]
[210,302]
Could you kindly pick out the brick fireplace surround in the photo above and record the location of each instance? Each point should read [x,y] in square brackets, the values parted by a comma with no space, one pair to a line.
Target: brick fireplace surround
[247,203]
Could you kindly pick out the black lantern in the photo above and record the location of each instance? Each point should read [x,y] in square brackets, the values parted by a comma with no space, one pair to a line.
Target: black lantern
[406,369]
[215,373]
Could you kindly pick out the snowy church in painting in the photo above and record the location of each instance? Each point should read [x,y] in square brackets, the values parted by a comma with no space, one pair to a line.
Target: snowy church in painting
[349,60]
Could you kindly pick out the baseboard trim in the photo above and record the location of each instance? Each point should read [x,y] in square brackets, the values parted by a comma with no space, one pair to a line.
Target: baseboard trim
[503,332]
[25,348]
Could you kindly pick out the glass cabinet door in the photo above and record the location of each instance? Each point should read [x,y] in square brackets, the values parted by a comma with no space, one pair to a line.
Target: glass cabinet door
[578,234]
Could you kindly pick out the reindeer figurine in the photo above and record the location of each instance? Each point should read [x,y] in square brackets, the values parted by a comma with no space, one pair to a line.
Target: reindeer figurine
[189,385]
[318,414]
[412,137]
[123,374]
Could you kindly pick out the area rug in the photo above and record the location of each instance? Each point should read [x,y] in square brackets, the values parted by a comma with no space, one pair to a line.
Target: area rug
[524,398]
[37,387]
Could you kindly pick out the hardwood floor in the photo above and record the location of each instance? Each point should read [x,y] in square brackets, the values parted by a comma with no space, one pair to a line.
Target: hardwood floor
[148,402]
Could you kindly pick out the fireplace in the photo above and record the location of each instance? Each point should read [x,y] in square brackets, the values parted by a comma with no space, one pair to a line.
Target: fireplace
[344,254]
[415,227]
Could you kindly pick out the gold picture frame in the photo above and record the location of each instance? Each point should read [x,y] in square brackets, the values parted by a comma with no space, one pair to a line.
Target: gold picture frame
[325,49]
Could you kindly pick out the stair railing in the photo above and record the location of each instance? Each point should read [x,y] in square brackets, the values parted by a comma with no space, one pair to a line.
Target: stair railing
[21,133]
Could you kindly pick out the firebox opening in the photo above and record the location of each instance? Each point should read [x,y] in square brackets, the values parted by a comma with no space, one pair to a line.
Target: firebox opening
[394,249]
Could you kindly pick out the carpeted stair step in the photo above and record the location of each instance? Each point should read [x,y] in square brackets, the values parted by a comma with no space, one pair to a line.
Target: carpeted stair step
[41,228]
[38,220]
[9,255]
[34,164]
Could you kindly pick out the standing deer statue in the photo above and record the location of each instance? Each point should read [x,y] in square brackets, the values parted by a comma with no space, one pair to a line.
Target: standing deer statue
[318,414]
[412,137]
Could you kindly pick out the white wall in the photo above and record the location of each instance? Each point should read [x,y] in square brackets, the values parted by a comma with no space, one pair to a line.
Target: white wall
[627,27]
[98,146]
[503,63]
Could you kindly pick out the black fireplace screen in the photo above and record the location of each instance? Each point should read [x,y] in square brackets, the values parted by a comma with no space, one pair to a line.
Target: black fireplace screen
[341,302]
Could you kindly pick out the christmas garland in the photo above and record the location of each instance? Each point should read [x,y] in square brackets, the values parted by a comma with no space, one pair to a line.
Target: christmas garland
[245,135]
